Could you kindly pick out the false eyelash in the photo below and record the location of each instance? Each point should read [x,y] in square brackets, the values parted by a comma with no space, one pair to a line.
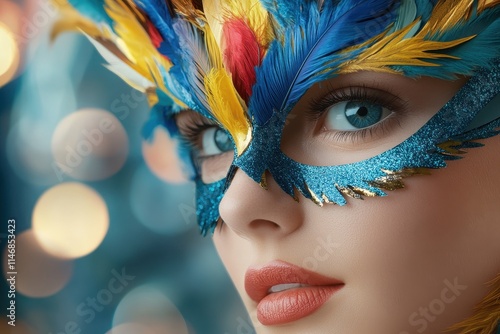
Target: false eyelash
[385,98]
[190,134]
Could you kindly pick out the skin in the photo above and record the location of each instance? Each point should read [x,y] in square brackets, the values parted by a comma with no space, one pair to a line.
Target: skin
[396,254]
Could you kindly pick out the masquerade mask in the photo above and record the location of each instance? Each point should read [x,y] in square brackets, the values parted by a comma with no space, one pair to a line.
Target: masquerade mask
[245,66]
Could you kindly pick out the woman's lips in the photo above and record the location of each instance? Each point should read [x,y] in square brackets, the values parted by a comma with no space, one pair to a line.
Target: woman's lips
[300,291]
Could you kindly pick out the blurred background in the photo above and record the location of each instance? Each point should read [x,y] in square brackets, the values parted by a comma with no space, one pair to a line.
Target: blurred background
[105,230]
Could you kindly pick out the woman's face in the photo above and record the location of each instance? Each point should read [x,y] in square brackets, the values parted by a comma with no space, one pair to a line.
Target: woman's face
[415,261]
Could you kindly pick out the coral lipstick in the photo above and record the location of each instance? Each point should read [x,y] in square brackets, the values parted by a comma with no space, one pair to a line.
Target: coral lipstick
[285,292]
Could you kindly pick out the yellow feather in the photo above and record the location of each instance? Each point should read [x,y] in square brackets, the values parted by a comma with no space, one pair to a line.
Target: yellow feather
[226,107]
[256,16]
[135,42]
[213,9]
[71,20]
[486,315]
[394,49]
[485,4]
[131,44]
[447,14]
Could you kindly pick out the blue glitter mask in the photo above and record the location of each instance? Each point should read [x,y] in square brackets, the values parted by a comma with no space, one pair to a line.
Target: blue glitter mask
[440,140]
[245,65]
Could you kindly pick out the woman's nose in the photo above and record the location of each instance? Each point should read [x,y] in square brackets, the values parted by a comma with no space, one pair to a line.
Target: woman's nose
[254,212]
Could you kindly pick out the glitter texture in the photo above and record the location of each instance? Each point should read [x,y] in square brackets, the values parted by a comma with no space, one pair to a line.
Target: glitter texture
[441,139]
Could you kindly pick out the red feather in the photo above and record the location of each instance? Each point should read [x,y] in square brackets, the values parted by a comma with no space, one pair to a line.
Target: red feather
[242,53]
[154,34]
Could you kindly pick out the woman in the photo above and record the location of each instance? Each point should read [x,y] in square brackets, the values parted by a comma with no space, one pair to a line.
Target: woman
[288,107]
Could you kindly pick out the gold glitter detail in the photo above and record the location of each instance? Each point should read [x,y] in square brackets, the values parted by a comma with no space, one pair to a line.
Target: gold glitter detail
[364,192]
[393,179]
[263,180]
[326,199]
[449,147]
[348,192]
[296,194]
[314,197]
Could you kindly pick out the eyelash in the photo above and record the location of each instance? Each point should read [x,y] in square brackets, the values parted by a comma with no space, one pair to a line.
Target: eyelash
[191,133]
[319,106]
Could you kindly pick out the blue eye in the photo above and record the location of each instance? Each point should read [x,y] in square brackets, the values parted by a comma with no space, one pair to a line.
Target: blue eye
[215,141]
[355,115]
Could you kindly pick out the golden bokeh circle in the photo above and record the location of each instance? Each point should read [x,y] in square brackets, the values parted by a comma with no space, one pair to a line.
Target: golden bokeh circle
[89,145]
[161,157]
[9,57]
[70,220]
[37,273]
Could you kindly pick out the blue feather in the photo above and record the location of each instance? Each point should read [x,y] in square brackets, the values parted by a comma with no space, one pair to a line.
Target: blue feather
[93,9]
[406,15]
[177,36]
[310,53]
[288,13]
[485,27]
[425,8]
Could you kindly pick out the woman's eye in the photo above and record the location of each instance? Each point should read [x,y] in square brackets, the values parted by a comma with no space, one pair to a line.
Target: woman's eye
[215,141]
[354,115]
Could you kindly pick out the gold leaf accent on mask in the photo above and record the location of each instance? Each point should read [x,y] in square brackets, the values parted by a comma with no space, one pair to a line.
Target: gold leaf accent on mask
[393,179]
[364,192]
[449,147]
[326,199]
[314,197]
[296,193]
[263,180]
[348,192]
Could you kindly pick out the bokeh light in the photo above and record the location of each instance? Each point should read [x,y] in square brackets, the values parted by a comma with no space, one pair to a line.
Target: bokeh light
[28,152]
[147,305]
[163,208]
[70,220]
[90,145]
[131,328]
[39,273]
[9,57]
[161,157]
[20,328]
[11,15]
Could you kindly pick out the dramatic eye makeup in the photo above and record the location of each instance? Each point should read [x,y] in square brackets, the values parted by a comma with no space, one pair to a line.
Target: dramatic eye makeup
[355,113]
[357,116]
[211,147]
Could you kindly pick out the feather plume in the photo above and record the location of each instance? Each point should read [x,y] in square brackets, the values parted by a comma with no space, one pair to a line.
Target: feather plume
[242,54]
[255,16]
[197,62]
[290,13]
[430,50]
[406,15]
[187,10]
[311,53]
[71,20]
[396,50]
[213,9]
[486,315]
[127,50]
[447,14]
[485,4]
[226,107]
[91,9]
[142,54]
